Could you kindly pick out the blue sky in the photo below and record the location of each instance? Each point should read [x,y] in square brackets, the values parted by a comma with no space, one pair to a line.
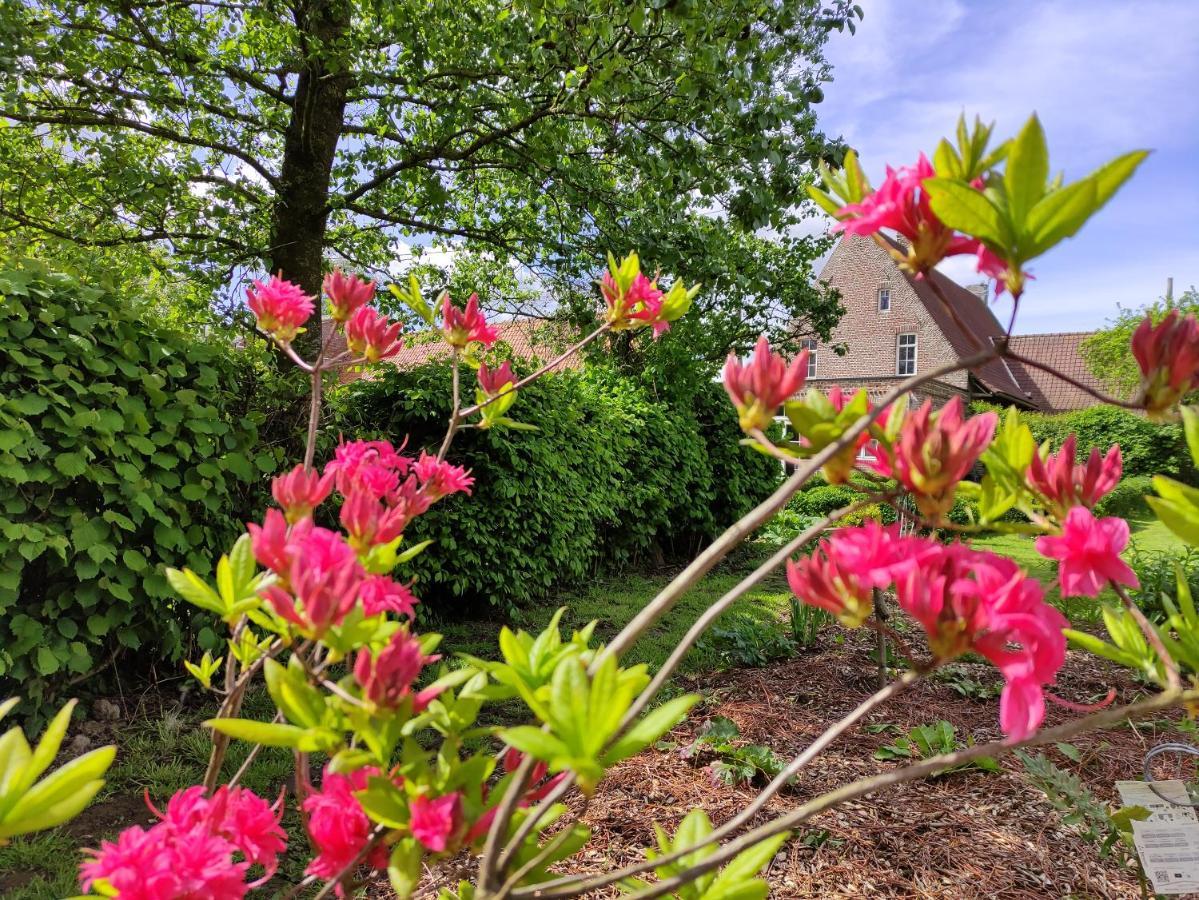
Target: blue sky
[1105,76]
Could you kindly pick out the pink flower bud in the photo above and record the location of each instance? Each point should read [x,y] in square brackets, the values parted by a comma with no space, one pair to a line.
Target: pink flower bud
[760,387]
[301,491]
[1064,485]
[370,335]
[322,581]
[346,294]
[1088,553]
[386,677]
[493,381]
[1168,355]
[369,522]
[280,307]
[934,451]
[463,327]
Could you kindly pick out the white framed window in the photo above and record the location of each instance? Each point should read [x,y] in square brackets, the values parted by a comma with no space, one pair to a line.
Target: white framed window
[869,451]
[905,354]
[809,344]
[884,299]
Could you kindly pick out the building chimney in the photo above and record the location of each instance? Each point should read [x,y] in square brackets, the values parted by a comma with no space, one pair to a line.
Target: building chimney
[982,290]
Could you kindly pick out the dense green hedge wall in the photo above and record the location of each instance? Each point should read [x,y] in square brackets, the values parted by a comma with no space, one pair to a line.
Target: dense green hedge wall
[611,476]
[124,447]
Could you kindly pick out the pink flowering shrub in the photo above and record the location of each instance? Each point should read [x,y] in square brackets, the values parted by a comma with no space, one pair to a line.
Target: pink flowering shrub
[323,613]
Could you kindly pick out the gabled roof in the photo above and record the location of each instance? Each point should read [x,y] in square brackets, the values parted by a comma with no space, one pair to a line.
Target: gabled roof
[526,339]
[1061,351]
[974,328]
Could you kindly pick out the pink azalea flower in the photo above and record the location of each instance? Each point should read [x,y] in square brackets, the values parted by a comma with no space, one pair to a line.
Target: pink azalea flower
[440,479]
[638,306]
[369,522]
[968,600]
[346,294]
[901,204]
[372,466]
[493,381]
[321,583]
[271,541]
[934,451]
[386,677]
[139,865]
[1168,356]
[301,491]
[761,386]
[434,821]
[370,335]
[465,326]
[280,307]
[380,594]
[991,265]
[1064,484]
[1088,553]
[337,825]
[237,815]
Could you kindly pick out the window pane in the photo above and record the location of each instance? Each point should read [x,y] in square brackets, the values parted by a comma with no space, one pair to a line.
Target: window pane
[884,298]
[905,355]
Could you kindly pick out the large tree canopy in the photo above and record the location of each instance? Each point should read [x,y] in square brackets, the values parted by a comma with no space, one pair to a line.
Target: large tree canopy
[288,132]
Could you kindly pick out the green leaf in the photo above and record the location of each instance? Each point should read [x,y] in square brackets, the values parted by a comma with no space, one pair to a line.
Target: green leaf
[651,727]
[71,464]
[404,867]
[271,734]
[1027,169]
[965,209]
[535,742]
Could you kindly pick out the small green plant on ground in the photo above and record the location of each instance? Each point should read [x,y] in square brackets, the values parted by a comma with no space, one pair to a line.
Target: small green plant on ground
[747,641]
[736,762]
[927,741]
[1092,819]
[959,680]
[807,623]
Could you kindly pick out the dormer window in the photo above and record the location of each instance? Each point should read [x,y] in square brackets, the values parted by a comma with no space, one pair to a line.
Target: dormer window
[884,299]
[809,344]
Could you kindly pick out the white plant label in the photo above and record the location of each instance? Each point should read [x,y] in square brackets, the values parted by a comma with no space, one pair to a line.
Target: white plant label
[1138,793]
[1169,854]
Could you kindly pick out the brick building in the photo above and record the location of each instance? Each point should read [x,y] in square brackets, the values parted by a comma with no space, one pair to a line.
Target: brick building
[895,326]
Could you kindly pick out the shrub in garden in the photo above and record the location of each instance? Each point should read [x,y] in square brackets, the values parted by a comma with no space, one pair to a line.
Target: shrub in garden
[410,781]
[610,475]
[123,447]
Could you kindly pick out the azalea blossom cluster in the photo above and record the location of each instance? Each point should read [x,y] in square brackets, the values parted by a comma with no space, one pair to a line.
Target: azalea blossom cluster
[966,600]
[322,576]
[634,300]
[201,847]
[1168,355]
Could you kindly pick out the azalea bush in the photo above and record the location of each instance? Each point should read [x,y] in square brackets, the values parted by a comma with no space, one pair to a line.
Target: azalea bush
[322,613]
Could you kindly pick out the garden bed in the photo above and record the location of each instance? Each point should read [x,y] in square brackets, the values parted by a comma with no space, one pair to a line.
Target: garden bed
[964,834]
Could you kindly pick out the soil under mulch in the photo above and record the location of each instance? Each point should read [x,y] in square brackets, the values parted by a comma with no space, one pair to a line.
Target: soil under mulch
[963,835]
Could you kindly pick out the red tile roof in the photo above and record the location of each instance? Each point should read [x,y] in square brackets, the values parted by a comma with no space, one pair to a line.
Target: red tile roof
[530,339]
[1061,351]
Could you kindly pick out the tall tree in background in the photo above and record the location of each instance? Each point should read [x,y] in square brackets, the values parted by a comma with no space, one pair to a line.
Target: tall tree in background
[1107,352]
[286,132]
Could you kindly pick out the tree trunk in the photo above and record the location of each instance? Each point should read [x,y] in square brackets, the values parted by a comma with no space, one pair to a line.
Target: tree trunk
[300,216]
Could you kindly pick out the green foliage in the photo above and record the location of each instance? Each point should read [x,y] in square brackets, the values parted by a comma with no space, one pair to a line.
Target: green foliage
[1108,352]
[927,741]
[736,881]
[1157,571]
[30,802]
[1090,818]
[743,640]
[123,447]
[736,761]
[609,476]
[807,622]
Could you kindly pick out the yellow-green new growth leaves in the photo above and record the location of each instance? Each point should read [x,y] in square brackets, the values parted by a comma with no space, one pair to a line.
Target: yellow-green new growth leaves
[411,297]
[27,804]
[237,582]
[736,881]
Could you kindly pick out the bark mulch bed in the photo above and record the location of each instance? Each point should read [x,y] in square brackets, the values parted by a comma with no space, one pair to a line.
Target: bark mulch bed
[962,835]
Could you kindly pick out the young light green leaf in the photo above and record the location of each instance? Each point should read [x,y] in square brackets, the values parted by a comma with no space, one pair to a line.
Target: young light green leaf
[964,209]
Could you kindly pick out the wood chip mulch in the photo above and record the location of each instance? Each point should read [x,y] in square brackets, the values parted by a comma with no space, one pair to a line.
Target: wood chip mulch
[963,835]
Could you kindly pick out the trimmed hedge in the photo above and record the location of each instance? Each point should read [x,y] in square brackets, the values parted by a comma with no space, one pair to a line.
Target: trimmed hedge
[124,447]
[610,476]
